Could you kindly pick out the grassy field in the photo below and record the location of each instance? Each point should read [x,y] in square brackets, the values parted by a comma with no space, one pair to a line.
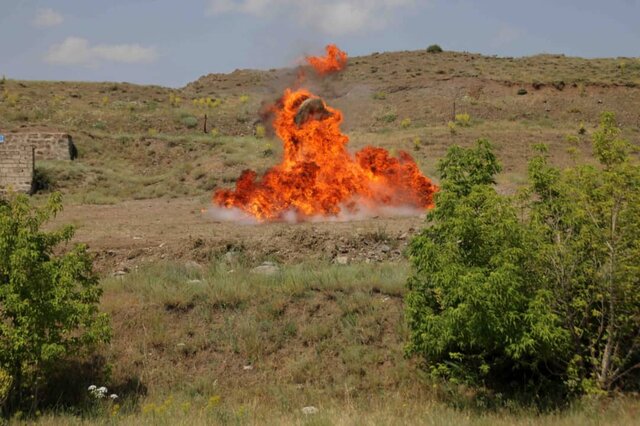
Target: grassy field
[225,345]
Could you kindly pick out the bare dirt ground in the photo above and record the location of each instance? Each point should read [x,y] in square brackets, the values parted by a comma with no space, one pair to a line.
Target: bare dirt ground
[127,234]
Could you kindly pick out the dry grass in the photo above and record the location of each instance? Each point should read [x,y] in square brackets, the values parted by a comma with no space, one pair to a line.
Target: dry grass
[222,345]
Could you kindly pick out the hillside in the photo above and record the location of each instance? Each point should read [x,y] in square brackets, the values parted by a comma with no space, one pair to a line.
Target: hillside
[203,337]
[147,141]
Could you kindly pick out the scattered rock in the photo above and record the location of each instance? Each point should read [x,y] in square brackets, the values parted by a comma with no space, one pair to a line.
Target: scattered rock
[231,256]
[310,410]
[341,260]
[247,367]
[385,248]
[119,273]
[267,268]
[192,265]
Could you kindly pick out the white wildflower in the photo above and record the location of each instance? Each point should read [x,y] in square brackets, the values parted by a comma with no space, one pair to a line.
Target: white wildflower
[92,388]
[113,396]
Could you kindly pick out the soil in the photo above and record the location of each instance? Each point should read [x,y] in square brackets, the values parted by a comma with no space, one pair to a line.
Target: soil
[126,234]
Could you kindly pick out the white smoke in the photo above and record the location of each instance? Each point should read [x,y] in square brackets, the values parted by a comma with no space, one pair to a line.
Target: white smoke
[361,211]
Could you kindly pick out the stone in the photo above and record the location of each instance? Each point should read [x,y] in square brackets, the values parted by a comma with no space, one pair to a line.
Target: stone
[192,265]
[385,248]
[341,260]
[266,268]
[309,410]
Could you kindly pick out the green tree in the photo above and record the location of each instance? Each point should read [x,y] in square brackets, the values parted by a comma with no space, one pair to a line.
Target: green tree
[48,297]
[473,307]
[588,254]
[542,289]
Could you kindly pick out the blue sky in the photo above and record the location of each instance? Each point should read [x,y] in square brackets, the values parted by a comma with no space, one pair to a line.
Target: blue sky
[173,42]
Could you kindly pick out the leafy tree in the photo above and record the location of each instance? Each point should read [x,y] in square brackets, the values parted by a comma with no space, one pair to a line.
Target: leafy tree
[588,220]
[473,307]
[542,290]
[48,297]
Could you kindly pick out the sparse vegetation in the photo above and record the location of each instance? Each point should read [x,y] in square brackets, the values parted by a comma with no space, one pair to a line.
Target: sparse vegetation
[463,120]
[379,96]
[434,48]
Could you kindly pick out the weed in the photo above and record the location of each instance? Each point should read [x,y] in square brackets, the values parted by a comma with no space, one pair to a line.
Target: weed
[379,96]
[463,120]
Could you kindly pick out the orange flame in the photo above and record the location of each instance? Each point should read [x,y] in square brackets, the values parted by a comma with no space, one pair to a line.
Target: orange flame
[334,61]
[319,177]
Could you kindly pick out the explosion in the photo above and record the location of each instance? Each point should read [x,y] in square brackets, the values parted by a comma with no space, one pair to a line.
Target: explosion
[335,61]
[318,177]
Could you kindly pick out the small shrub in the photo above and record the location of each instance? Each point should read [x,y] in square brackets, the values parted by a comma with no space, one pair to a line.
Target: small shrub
[189,121]
[417,143]
[434,48]
[582,130]
[463,120]
[174,100]
[452,127]
[104,101]
[261,131]
[405,123]
[100,125]
[389,117]
[522,91]
[380,96]
[244,99]
[10,98]
[42,180]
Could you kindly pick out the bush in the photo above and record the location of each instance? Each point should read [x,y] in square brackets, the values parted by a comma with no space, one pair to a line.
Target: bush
[189,121]
[405,123]
[49,298]
[42,180]
[536,294]
[434,48]
[261,131]
[379,96]
[463,120]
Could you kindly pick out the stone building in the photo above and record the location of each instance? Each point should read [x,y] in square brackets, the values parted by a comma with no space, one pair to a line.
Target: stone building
[16,168]
[20,150]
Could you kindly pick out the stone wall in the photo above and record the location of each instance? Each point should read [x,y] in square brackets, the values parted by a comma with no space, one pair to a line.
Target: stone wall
[16,168]
[48,145]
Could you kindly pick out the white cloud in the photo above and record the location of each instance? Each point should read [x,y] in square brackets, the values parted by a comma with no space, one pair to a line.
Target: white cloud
[78,51]
[47,18]
[333,17]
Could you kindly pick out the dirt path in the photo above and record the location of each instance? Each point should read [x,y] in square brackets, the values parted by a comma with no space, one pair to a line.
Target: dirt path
[129,233]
